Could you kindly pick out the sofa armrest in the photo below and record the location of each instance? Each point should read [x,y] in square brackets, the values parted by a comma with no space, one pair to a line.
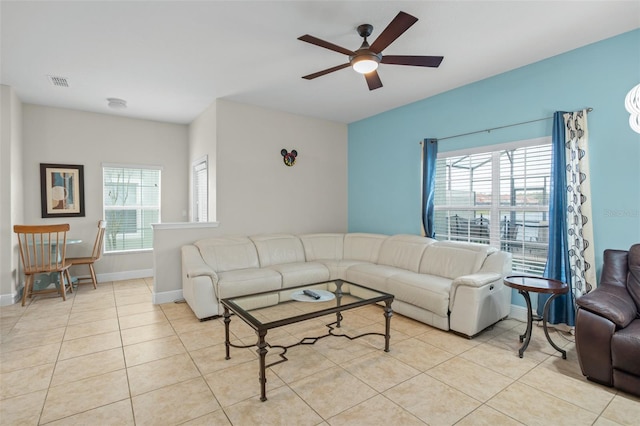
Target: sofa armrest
[473,281]
[477,280]
[201,271]
[476,301]
[611,302]
[194,266]
[593,346]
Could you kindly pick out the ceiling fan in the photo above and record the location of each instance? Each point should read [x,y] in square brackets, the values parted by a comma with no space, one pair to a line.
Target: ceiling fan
[365,60]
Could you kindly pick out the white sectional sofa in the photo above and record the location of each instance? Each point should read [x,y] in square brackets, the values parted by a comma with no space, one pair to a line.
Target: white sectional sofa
[448,285]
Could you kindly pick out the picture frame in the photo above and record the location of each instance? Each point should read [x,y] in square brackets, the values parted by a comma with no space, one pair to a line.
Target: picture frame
[62,190]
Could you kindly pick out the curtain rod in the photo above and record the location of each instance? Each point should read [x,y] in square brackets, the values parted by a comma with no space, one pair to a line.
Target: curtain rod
[589,109]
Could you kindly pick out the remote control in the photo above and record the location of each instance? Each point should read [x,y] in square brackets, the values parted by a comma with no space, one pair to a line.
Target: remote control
[311,294]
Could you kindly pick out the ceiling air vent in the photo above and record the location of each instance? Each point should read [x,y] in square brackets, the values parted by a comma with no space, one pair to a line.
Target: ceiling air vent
[58,81]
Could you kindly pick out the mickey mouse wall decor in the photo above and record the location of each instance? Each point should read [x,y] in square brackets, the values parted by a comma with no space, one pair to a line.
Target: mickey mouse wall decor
[289,158]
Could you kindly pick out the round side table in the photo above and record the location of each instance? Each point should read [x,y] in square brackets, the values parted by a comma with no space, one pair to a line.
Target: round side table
[525,284]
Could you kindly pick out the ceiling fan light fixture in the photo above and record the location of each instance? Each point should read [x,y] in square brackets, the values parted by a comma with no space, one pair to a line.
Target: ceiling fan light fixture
[365,64]
[365,60]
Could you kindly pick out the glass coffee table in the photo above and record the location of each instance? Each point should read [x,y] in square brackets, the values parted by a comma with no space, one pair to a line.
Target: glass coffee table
[273,309]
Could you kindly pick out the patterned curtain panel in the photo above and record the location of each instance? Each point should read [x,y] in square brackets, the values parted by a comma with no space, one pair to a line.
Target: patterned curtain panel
[579,223]
[571,256]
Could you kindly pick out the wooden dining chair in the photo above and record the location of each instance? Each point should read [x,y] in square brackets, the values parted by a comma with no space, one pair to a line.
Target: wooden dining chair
[42,251]
[96,254]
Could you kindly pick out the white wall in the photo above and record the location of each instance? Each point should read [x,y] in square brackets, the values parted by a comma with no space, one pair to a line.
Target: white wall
[256,192]
[202,141]
[11,191]
[56,135]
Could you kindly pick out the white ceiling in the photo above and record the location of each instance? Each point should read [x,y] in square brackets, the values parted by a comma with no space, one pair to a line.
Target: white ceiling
[171,59]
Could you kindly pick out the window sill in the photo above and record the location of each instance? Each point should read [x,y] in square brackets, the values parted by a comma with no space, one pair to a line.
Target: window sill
[184,225]
[109,253]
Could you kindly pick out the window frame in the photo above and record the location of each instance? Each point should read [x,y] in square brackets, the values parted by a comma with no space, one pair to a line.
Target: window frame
[138,208]
[496,228]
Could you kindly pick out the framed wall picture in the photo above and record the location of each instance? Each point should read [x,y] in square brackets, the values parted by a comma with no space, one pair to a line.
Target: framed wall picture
[62,190]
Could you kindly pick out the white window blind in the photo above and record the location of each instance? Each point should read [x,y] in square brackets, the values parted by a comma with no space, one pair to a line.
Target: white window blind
[200,209]
[131,200]
[498,197]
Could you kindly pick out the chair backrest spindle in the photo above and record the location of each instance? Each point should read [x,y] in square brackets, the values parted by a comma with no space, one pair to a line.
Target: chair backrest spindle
[97,246]
[43,248]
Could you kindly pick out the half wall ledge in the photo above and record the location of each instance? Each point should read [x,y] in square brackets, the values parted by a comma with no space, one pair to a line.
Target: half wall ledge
[168,238]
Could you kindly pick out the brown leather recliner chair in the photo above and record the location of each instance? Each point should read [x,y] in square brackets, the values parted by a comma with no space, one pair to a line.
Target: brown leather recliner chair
[608,323]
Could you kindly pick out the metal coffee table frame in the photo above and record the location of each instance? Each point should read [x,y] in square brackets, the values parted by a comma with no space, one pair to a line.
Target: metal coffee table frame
[230,306]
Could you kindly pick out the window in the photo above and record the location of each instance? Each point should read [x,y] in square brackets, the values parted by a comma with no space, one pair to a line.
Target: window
[131,200]
[200,208]
[498,197]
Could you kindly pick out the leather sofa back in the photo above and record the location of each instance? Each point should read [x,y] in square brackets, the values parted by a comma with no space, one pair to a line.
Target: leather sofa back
[615,267]
[452,259]
[621,269]
[410,252]
[228,253]
[323,246]
[276,249]
[364,247]
[499,262]
[403,251]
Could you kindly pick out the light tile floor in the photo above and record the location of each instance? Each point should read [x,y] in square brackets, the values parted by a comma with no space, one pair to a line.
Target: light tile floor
[109,356]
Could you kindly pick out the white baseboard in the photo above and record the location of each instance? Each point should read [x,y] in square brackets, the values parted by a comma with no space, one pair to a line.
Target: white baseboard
[166,297]
[9,299]
[518,313]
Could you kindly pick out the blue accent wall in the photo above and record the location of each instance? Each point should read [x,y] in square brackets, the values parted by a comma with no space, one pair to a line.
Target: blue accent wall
[385,154]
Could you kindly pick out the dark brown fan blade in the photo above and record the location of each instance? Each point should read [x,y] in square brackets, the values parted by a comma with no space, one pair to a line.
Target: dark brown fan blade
[327,71]
[314,40]
[418,61]
[373,80]
[399,25]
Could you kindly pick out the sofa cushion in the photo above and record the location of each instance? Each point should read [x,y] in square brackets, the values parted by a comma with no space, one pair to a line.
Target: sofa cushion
[372,276]
[338,268]
[247,281]
[364,247]
[228,253]
[301,273]
[424,291]
[323,246]
[275,249]
[403,251]
[625,349]
[452,260]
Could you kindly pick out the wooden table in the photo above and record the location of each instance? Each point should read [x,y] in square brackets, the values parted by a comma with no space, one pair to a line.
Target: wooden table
[525,284]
